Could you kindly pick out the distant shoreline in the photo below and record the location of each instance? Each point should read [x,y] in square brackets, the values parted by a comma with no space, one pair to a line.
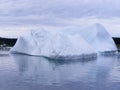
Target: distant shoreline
[7,42]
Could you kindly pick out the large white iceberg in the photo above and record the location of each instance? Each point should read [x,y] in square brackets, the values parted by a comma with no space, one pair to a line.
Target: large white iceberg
[96,36]
[50,43]
[71,42]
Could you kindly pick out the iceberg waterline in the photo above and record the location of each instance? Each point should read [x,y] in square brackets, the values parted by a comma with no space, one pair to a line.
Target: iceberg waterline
[67,43]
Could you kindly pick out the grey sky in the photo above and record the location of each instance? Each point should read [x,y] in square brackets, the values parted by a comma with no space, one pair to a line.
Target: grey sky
[49,11]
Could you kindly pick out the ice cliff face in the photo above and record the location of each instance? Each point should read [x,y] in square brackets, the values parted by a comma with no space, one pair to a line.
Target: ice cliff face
[65,43]
[96,36]
[99,38]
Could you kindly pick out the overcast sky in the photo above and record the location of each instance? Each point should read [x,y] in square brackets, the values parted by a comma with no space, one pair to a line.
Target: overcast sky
[51,11]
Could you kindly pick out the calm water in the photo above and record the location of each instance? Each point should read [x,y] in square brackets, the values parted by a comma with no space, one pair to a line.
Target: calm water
[20,72]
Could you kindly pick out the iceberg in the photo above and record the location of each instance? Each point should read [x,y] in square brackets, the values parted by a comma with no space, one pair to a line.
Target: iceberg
[96,36]
[53,44]
[84,42]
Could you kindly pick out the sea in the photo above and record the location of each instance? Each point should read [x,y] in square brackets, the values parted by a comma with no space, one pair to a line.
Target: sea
[22,72]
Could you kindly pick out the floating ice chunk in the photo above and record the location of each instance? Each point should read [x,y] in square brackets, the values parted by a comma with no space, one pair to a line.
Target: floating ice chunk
[66,43]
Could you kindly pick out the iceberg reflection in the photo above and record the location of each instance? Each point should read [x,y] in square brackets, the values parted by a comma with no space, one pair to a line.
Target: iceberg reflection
[43,71]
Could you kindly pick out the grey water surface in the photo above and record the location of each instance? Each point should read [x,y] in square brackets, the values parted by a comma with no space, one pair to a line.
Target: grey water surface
[22,72]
